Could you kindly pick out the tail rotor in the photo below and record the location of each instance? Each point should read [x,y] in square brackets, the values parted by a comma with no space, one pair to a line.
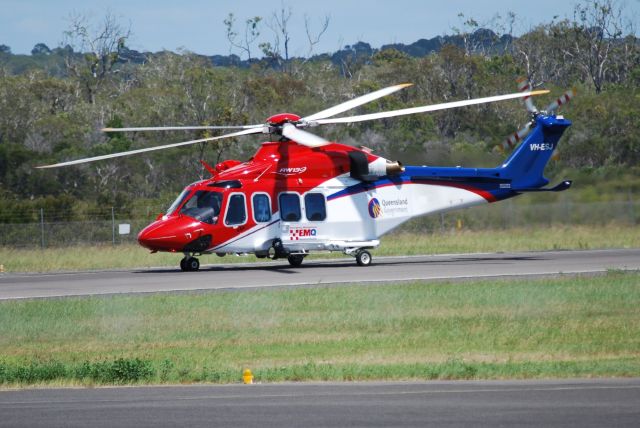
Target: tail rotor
[524,86]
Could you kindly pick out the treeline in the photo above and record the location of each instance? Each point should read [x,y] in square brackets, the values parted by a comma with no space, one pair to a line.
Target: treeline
[53,109]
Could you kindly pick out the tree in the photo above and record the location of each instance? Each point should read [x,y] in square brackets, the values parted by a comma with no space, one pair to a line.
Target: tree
[40,49]
[100,48]
[541,55]
[5,49]
[279,26]
[251,33]
[591,37]
[314,38]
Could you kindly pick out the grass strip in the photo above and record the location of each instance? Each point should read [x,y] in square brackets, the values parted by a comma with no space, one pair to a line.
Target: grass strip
[493,329]
[136,371]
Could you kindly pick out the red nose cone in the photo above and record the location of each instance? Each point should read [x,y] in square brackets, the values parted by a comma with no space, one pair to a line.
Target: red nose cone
[170,234]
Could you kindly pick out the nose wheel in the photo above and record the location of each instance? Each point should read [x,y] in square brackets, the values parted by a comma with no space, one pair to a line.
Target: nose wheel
[363,257]
[189,264]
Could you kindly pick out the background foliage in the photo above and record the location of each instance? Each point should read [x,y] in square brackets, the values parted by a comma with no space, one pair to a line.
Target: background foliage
[53,103]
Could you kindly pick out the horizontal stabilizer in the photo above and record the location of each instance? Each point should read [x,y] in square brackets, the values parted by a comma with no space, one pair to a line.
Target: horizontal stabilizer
[564,185]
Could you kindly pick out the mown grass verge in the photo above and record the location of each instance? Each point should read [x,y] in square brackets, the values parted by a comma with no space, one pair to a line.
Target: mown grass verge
[564,327]
[465,241]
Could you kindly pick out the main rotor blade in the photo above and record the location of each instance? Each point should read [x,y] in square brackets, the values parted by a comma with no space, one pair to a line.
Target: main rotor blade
[423,109]
[150,149]
[302,137]
[177,128]
[340,108]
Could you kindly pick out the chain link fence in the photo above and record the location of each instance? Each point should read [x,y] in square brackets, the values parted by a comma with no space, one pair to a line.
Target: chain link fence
[110,227]
[511,214]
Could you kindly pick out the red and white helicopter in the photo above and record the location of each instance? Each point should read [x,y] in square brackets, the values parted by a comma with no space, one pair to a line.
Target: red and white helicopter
[300,193]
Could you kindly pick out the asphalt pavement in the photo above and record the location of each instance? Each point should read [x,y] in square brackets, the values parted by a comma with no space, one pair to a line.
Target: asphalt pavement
[336,271]
[568,403]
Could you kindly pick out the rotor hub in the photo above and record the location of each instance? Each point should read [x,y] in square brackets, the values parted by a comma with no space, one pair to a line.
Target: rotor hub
[282,118]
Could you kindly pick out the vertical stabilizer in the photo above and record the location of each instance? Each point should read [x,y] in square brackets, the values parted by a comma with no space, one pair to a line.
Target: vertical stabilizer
[526,164]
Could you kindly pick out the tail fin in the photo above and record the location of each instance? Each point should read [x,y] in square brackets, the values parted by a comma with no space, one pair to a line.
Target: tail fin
[526,164]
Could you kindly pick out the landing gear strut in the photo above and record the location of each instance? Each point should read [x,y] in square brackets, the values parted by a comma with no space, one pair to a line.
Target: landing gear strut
[189,263]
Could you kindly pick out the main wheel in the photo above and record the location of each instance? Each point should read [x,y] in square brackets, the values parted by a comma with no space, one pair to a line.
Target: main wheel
[363,258]
[190,264]
[295,260]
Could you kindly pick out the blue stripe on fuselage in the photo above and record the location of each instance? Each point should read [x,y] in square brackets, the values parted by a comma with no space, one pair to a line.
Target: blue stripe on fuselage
[484,181]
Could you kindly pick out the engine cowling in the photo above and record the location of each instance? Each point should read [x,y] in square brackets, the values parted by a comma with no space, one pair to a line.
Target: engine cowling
[362,169]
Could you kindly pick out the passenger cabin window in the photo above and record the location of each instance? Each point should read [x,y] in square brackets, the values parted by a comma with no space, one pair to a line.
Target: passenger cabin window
[236,211]
[314,206]
[290,207]
[261,208]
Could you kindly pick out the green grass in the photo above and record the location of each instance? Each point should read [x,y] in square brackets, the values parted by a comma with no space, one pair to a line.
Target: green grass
[534,239]
[571,326]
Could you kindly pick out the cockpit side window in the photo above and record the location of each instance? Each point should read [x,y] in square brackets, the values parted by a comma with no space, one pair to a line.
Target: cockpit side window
[203,206]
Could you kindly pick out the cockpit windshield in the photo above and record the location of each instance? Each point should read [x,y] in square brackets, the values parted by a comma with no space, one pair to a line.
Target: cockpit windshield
[203,206]
[179,200]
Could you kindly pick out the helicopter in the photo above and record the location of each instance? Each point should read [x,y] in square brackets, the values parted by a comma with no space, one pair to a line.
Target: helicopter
[300,193]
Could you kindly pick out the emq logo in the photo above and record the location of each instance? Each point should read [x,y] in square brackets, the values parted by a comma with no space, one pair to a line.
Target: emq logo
[375,210]
[302,232]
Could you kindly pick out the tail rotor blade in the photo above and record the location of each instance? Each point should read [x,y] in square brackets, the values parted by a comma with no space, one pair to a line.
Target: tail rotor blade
[523,86]
[512,140]
[563,99]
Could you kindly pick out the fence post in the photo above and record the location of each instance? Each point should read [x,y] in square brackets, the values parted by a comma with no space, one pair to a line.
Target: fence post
[42,228]
[113,227]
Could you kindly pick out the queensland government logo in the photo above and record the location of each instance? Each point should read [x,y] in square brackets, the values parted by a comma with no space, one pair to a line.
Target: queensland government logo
[375,210]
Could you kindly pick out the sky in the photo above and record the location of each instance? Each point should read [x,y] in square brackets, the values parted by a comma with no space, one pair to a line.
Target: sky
[197,25]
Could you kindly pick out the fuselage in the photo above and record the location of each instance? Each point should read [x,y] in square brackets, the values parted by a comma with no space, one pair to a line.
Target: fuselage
[309,199]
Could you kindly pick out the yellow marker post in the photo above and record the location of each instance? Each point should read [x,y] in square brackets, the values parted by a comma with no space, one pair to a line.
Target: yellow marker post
[1,268]
[247,376]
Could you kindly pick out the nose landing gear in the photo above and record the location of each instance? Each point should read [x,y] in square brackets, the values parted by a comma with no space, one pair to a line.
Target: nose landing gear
[189,263]
[363,257]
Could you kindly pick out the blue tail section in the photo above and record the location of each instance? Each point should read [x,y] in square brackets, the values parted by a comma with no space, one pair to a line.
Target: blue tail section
[526,164]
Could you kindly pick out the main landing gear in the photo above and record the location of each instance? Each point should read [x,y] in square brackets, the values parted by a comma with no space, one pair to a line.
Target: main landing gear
[295,260]
[277,251]
[189,263]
